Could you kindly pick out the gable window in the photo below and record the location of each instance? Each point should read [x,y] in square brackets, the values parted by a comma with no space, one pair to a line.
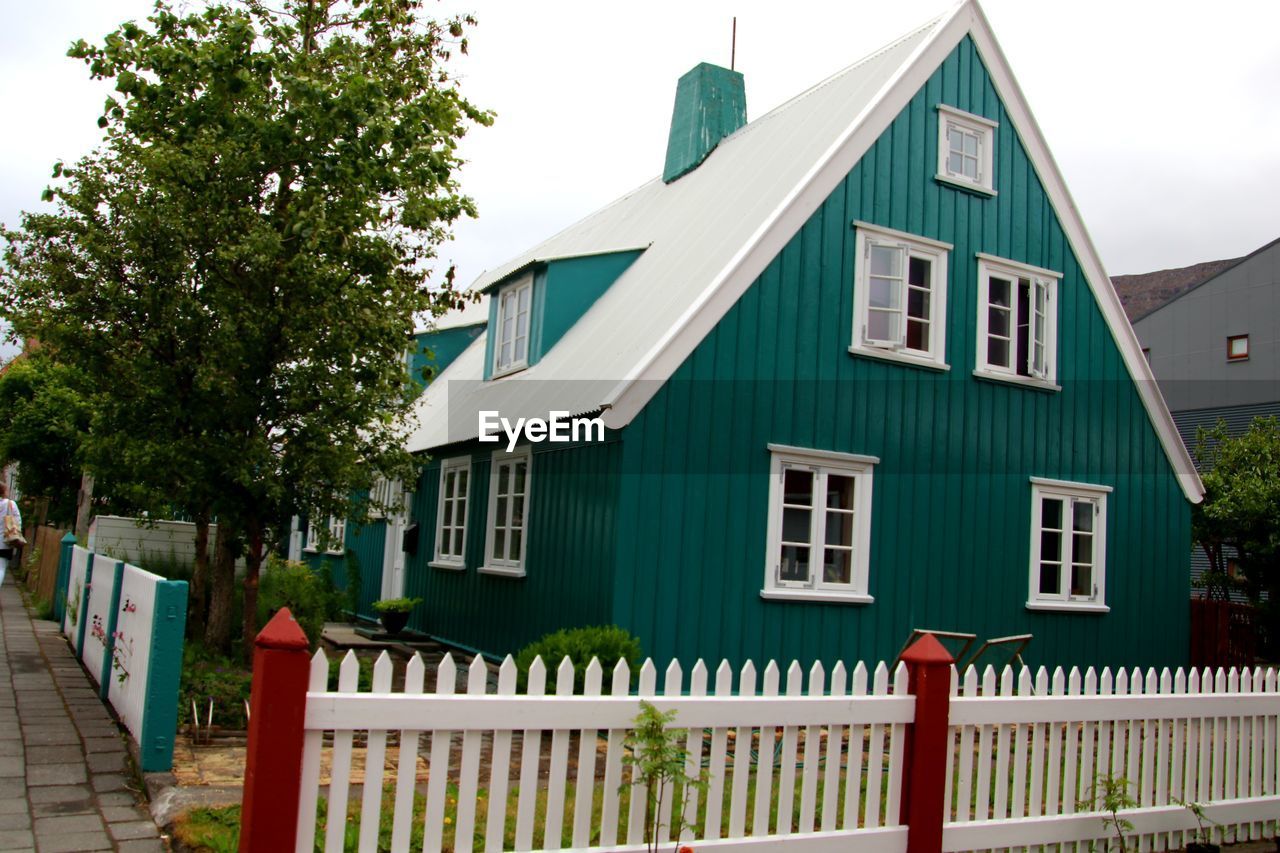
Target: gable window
[511,341]
[819,526]
[1017,322]
[1238,348]
[451,515]
[900,296]
[508,514]
[966,145]
[1068,546]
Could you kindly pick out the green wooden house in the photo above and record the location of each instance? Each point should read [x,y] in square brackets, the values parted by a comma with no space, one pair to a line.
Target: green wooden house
[857,368]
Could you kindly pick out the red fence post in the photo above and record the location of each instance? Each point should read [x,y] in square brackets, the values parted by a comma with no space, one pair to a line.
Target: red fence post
[273,767]
[924,784]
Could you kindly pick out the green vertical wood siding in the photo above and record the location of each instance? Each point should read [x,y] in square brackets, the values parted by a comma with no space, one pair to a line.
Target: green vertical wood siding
[952,499]
[569,558]
[367,542]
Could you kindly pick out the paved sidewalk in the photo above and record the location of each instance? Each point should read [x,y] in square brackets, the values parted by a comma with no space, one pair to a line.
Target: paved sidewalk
[63,779]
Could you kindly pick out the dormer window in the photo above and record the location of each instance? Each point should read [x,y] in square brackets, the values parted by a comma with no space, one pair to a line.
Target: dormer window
[966,144]
[511,342]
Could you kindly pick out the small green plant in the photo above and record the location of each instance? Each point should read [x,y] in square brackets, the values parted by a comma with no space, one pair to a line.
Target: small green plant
[1110,794]
[303,591]
[396,605]
[657,756]
[210,677]
[1197,810]
[608,643]
[43,608]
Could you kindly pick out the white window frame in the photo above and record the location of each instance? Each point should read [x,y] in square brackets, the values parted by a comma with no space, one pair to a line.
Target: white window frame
[337,535]
[822,463]
[869,237]
[1232,340]
[983,130]
[502,327]
[459,560]
[1042,283]
[312,545]
[506,566]
[1071,493]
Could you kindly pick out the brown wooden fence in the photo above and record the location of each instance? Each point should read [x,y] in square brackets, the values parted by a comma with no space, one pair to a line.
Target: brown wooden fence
[40,558]
[1222,633]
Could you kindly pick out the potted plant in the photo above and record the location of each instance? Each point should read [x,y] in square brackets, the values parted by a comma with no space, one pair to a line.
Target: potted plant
[394,613]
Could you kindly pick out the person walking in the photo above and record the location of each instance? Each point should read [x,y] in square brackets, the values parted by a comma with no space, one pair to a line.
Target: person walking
[11,519]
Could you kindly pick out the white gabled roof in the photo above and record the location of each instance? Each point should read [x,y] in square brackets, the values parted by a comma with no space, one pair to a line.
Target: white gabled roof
[712,232]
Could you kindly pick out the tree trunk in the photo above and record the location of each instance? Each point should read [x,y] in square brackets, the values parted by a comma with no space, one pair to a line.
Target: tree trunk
[84,500]
[253,566]
[198,594]
[217,634]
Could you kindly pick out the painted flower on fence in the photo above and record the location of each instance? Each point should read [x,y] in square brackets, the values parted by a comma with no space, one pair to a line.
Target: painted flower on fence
[97,630]
[121,654]
[73,607]
[129,607]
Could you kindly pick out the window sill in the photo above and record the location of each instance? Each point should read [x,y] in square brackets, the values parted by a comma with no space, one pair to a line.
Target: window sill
[508,371]
[826,596]
[976,189]
[1068,607]
[899,358]
[1023,381]
[310,550]
[502,571]
[334,553]
[447,565]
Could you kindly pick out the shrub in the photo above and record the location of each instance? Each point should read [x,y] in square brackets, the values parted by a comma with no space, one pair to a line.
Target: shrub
[294,585]
[208,675]
[608,643]
[364,682]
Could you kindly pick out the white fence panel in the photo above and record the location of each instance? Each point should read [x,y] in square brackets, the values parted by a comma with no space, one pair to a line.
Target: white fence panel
[97,615]
[76,593]
[127,692]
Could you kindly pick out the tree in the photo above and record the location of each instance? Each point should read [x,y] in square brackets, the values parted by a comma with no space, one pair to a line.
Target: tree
[1241,507]
[45,428]
[244,257]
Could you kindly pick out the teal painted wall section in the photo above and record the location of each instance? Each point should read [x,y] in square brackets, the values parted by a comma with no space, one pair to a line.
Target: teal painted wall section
[952,500]
[571,543]
[563,290]
[434,351]
[367,542]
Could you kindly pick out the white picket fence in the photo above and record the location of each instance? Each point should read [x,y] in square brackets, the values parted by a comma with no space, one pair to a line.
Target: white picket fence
[810,765]
[1026,756]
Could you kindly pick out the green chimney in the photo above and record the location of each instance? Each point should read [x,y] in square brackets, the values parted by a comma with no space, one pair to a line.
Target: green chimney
[711,103]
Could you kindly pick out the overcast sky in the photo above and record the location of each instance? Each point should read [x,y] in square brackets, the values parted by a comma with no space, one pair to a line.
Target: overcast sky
[1163,116]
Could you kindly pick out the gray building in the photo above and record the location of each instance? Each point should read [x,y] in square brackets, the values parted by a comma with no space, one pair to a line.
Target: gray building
[1212,335]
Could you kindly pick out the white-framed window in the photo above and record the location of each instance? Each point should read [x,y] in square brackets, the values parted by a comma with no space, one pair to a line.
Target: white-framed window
[819,527]
[313,536]
[1017,322]
[337,535]
[508,524]
[511,338]
[966,149]
[382,494]
[900,296]
[1068,546]
[451,515]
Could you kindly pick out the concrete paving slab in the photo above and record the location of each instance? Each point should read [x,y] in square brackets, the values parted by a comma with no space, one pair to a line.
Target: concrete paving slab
[73,842]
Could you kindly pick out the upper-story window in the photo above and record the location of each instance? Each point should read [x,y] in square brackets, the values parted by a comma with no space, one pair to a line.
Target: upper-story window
[900,296]
[511,340]
[1238,348]
[1017,322]
[966,144]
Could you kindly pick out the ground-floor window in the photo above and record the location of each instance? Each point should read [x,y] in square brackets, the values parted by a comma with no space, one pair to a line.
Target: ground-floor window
[1068,545]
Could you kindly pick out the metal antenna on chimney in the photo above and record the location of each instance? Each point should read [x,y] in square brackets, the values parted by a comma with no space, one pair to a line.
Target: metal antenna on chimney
[733,45]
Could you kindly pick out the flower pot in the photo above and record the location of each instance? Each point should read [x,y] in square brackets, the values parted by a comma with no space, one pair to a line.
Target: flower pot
[393,621]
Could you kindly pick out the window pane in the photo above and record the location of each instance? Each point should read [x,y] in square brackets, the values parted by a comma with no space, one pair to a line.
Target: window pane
[998,292]
[1082,548]
[970,145]
[517,511]
[797,487]
[1051,513]
[446,541]
[886,261]
[839,492]
[504,354]
[522,469]
[1049,576]
[1082,512]
[795,525]
[955,139]
[500,512]
[837,568]
[516,536]
[1050,545]
[522,326]
[882,325]
[997,352]
[884,293]
[795,563]
[504,477]
[919,272]
[1082,580]
[500,544]
[918,302]
[839,528]
[463,476]
[998,321]
[917,335]
[955,163]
